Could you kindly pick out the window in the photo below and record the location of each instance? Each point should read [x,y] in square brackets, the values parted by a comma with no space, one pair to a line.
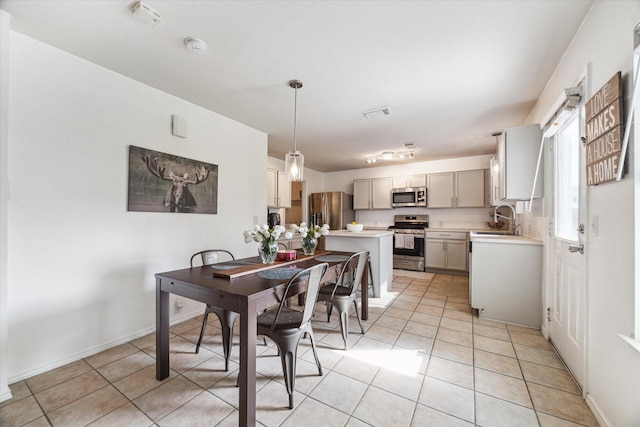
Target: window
[567,155]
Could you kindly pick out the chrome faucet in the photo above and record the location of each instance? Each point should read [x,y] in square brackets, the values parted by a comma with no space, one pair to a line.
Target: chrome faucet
[512,219]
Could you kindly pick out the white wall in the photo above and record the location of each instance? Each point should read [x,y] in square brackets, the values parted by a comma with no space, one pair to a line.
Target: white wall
[604,45]
[80,267]
[447,218]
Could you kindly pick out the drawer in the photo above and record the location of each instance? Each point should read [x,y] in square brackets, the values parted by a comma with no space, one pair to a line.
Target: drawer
[450,235]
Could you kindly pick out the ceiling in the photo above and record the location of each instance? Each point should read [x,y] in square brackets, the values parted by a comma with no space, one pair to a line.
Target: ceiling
[451,72]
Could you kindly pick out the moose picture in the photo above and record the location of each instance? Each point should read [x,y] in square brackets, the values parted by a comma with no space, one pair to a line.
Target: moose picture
[160,182]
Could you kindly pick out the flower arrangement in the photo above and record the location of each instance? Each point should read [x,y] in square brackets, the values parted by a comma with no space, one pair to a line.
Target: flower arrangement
[309,235]
[268,239]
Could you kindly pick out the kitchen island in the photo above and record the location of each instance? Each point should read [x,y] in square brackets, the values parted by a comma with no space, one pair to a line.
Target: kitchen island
[379,243]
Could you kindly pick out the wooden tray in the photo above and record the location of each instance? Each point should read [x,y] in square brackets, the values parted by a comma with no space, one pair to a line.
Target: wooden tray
[242,270]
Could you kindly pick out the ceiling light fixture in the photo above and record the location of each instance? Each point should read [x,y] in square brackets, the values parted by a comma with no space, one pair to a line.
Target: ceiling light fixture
[195,45]
[377,112]
[389,155]
[294,161]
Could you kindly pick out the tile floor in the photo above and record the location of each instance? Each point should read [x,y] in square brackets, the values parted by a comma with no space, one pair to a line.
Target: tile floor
[425,360]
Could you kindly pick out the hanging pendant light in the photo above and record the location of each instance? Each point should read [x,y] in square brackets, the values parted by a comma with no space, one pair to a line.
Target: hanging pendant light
[294,161]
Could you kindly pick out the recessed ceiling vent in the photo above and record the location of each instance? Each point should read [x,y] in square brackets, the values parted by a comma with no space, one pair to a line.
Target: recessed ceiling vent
[145,14]
[377,112]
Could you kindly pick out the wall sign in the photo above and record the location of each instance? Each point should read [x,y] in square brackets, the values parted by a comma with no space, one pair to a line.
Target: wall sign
[160,182]
[603,114]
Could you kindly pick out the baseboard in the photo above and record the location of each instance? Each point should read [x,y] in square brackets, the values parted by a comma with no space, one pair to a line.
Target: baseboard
[5,394]
[596,411]
[97,349]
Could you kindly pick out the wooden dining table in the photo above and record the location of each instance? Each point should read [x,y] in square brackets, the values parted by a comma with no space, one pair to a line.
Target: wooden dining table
[242,286]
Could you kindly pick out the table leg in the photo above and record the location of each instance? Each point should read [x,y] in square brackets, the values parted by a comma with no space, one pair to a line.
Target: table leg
[248,330]
[364,293]
[162,332]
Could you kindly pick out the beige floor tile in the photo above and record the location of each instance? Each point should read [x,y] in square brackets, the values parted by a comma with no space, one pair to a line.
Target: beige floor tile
[434,300]
[418,328]
[523,329]
[448,398]
[460,300]
[193,335]
[141,382]
[401,279]
[185,326]
[429,309]
[204,409]
[428,319]
[351,391]
[491,332]
[126,366]
[58,375]
[561,404]
[428,417]
[383,334]
[458,315]
[88,408]
[492,412]
[464,307]
[455,337]
[550,377]
[537,355]
[166,398]
[334,338]
[310,412]
[177,344]
[391,322]
[19,390]
[415,342]
[20,412]
[404,305]
[493,345]
[307,376]
[456,325]
[497,363]
[404,384]
[530,340]
[38,422]
[111,355]
[502,387]
[455,352]
[398,313]
[66,392]
[187,359]
[354,367]
[492,323]
[451,372]
[547,420]
[125,416]
[226,388]
[272,403]
[328,356]
[210,371]
[379,407]
[411,296]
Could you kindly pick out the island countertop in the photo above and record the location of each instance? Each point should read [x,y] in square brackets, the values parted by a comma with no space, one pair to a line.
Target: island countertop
[363,233]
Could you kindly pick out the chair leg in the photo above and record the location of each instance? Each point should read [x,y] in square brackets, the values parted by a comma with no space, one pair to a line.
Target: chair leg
[315,353]
[227,319]
[358,317]
[288,358]
[329,310]
[204,325]
[344,326]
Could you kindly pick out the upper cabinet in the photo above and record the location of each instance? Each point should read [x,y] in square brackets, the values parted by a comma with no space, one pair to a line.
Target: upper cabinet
[372,193]
[463,189]
[278,189]
[409,181]
[518,150]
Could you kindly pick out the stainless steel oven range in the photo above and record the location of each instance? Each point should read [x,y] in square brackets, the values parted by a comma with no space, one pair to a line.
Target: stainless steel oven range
[408,241]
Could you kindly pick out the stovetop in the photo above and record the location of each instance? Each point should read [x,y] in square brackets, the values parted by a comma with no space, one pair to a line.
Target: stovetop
[410,222]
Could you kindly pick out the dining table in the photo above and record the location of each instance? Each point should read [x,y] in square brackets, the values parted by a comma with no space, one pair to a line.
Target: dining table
[245,286]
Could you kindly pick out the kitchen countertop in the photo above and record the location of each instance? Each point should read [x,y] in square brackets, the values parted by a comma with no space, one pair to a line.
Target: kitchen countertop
[505,238]
[363,233]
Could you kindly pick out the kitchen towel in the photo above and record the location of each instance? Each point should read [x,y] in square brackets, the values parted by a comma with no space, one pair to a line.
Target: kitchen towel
[409,242]
[399,241]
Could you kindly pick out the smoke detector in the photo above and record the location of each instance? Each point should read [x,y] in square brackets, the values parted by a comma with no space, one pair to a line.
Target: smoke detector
[145,14]
[195,45]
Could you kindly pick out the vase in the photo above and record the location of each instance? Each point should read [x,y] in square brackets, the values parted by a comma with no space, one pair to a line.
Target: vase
[309,245]
[268,251]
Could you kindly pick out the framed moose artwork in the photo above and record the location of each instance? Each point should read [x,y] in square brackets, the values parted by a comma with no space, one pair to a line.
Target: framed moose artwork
[160,182]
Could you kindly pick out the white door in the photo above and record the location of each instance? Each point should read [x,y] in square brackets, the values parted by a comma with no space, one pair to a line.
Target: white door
[566,296]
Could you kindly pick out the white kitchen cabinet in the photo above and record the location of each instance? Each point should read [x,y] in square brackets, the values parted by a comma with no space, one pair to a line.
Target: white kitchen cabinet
[409,181]
[372,193]
[506,279]
[278,189]
[446,250]
[463,189]
[518,151]
[495,182]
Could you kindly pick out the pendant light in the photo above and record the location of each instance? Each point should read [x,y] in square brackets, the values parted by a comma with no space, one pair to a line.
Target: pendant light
[294,161]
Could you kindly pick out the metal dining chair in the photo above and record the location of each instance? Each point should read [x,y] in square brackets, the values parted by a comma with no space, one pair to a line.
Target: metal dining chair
[227,318]
[286,326]
[344,291]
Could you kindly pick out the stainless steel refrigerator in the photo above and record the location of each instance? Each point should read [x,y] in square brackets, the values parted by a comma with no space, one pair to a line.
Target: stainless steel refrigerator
[333,208]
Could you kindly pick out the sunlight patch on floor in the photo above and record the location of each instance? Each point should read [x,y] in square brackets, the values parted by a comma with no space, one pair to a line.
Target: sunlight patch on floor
[405,362]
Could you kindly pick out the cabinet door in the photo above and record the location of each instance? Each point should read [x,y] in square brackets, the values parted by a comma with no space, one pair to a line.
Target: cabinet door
[470,189]
[284,191]
[417,181]
[400,182]
[362,194]
[434,256]
[381,193]
[457,255]
[495,182]
[501,169]
[440,190]
[272,188]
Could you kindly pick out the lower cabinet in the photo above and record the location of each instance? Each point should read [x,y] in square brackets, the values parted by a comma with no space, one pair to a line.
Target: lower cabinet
[446,250]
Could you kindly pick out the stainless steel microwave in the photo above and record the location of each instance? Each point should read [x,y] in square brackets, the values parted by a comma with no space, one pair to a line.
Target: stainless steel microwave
[409,197]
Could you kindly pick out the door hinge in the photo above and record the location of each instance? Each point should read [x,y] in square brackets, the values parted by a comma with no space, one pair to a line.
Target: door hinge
[581,228]
[548,314]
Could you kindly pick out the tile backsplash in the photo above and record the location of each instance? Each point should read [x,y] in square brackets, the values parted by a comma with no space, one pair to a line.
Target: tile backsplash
[438,218]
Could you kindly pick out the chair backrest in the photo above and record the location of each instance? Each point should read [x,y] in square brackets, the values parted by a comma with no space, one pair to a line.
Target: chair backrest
[211,256]
[315,274]
[349,279]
